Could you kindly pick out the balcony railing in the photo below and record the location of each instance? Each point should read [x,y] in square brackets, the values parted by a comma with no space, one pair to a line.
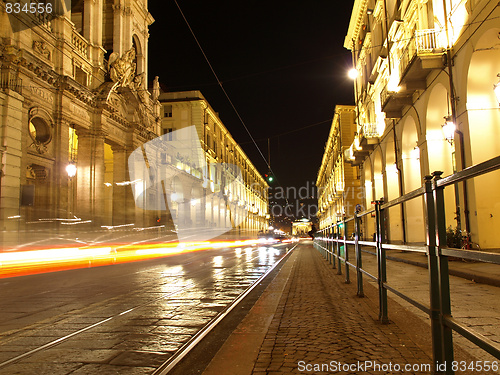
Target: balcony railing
[385,95]
[369,130]
[81,44]
[9,81]
[427,41]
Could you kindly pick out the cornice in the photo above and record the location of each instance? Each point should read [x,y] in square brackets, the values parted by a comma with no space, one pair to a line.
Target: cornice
[358,11]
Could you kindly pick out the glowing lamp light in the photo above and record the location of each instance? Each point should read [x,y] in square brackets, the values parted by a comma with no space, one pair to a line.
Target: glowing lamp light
[352,73]
[449,129]
[71,170]
[496,89]
[415,153]
[393,168]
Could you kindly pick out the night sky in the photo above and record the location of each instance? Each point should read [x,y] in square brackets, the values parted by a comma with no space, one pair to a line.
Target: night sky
[282,63]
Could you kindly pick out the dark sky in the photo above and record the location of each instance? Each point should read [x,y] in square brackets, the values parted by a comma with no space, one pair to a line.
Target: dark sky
[282,64]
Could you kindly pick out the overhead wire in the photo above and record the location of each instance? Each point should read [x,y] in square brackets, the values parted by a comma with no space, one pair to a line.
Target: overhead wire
[221,86]
[291,131]
[228,98]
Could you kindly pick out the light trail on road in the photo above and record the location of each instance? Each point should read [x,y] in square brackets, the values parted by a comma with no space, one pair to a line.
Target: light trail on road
[39,260]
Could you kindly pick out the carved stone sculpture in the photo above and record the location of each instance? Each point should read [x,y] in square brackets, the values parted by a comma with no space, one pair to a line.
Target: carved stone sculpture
[122,69]
[41,48]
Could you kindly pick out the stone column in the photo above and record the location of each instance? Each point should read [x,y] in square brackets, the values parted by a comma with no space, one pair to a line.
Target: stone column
[61,182]
[123,199]
[92,29]
[90,172]
[118,21]
[11,125]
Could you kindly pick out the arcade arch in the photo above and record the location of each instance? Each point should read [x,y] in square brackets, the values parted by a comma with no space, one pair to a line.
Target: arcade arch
[483,116]
[441,153]
[410,155]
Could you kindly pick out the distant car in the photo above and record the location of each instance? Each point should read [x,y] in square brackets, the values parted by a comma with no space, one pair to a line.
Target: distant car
[280,237]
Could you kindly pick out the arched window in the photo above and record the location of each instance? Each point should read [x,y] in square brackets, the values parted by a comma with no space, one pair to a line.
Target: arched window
[40,131]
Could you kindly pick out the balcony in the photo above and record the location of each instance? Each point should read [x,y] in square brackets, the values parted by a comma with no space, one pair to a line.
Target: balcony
[423,53]
[354,154]
[393,102]
[368,136]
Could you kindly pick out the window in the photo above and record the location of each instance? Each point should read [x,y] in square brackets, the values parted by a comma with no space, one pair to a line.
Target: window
[39,131]
[80,76]
[167,111]
[168,132]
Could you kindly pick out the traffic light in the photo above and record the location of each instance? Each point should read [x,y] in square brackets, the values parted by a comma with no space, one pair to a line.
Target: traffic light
[269,177]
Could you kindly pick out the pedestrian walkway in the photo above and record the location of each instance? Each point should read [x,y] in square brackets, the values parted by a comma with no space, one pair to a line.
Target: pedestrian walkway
[310,321]
[480,272]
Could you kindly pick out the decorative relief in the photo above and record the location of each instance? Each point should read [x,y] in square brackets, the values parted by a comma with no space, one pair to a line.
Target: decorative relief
[12,54]
[37,172]
[41,48]
[30,173]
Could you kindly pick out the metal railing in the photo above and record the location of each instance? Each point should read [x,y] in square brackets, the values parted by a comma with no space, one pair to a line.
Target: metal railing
[333,244]
[369,130]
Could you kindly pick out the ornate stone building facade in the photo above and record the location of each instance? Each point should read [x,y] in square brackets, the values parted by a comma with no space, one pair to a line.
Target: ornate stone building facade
[74,93]
[338,182]
[190,108]
[425,99]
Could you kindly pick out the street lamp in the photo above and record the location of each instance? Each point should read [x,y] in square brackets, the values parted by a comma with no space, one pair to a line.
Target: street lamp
[352,73]
[71,169]
[449,129]
[496,89]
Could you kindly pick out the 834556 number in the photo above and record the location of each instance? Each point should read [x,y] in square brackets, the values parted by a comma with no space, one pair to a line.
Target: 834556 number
[28,8]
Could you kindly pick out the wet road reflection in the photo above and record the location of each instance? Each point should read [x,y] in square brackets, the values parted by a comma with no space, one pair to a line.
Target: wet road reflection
[123,317]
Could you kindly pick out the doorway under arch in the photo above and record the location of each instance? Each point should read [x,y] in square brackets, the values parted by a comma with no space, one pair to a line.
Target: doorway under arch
[483,116]
[410,155]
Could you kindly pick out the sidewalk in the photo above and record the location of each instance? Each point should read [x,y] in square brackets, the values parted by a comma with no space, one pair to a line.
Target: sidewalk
[480,272]
[308,317]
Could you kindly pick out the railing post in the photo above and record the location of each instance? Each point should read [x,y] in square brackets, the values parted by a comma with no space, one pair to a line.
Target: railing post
[381,263]
[330,248]
[334,247]
[329,243]
[346,253]
[444,277]
[321,242]
[357,252]
[339,263]
[434,293]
